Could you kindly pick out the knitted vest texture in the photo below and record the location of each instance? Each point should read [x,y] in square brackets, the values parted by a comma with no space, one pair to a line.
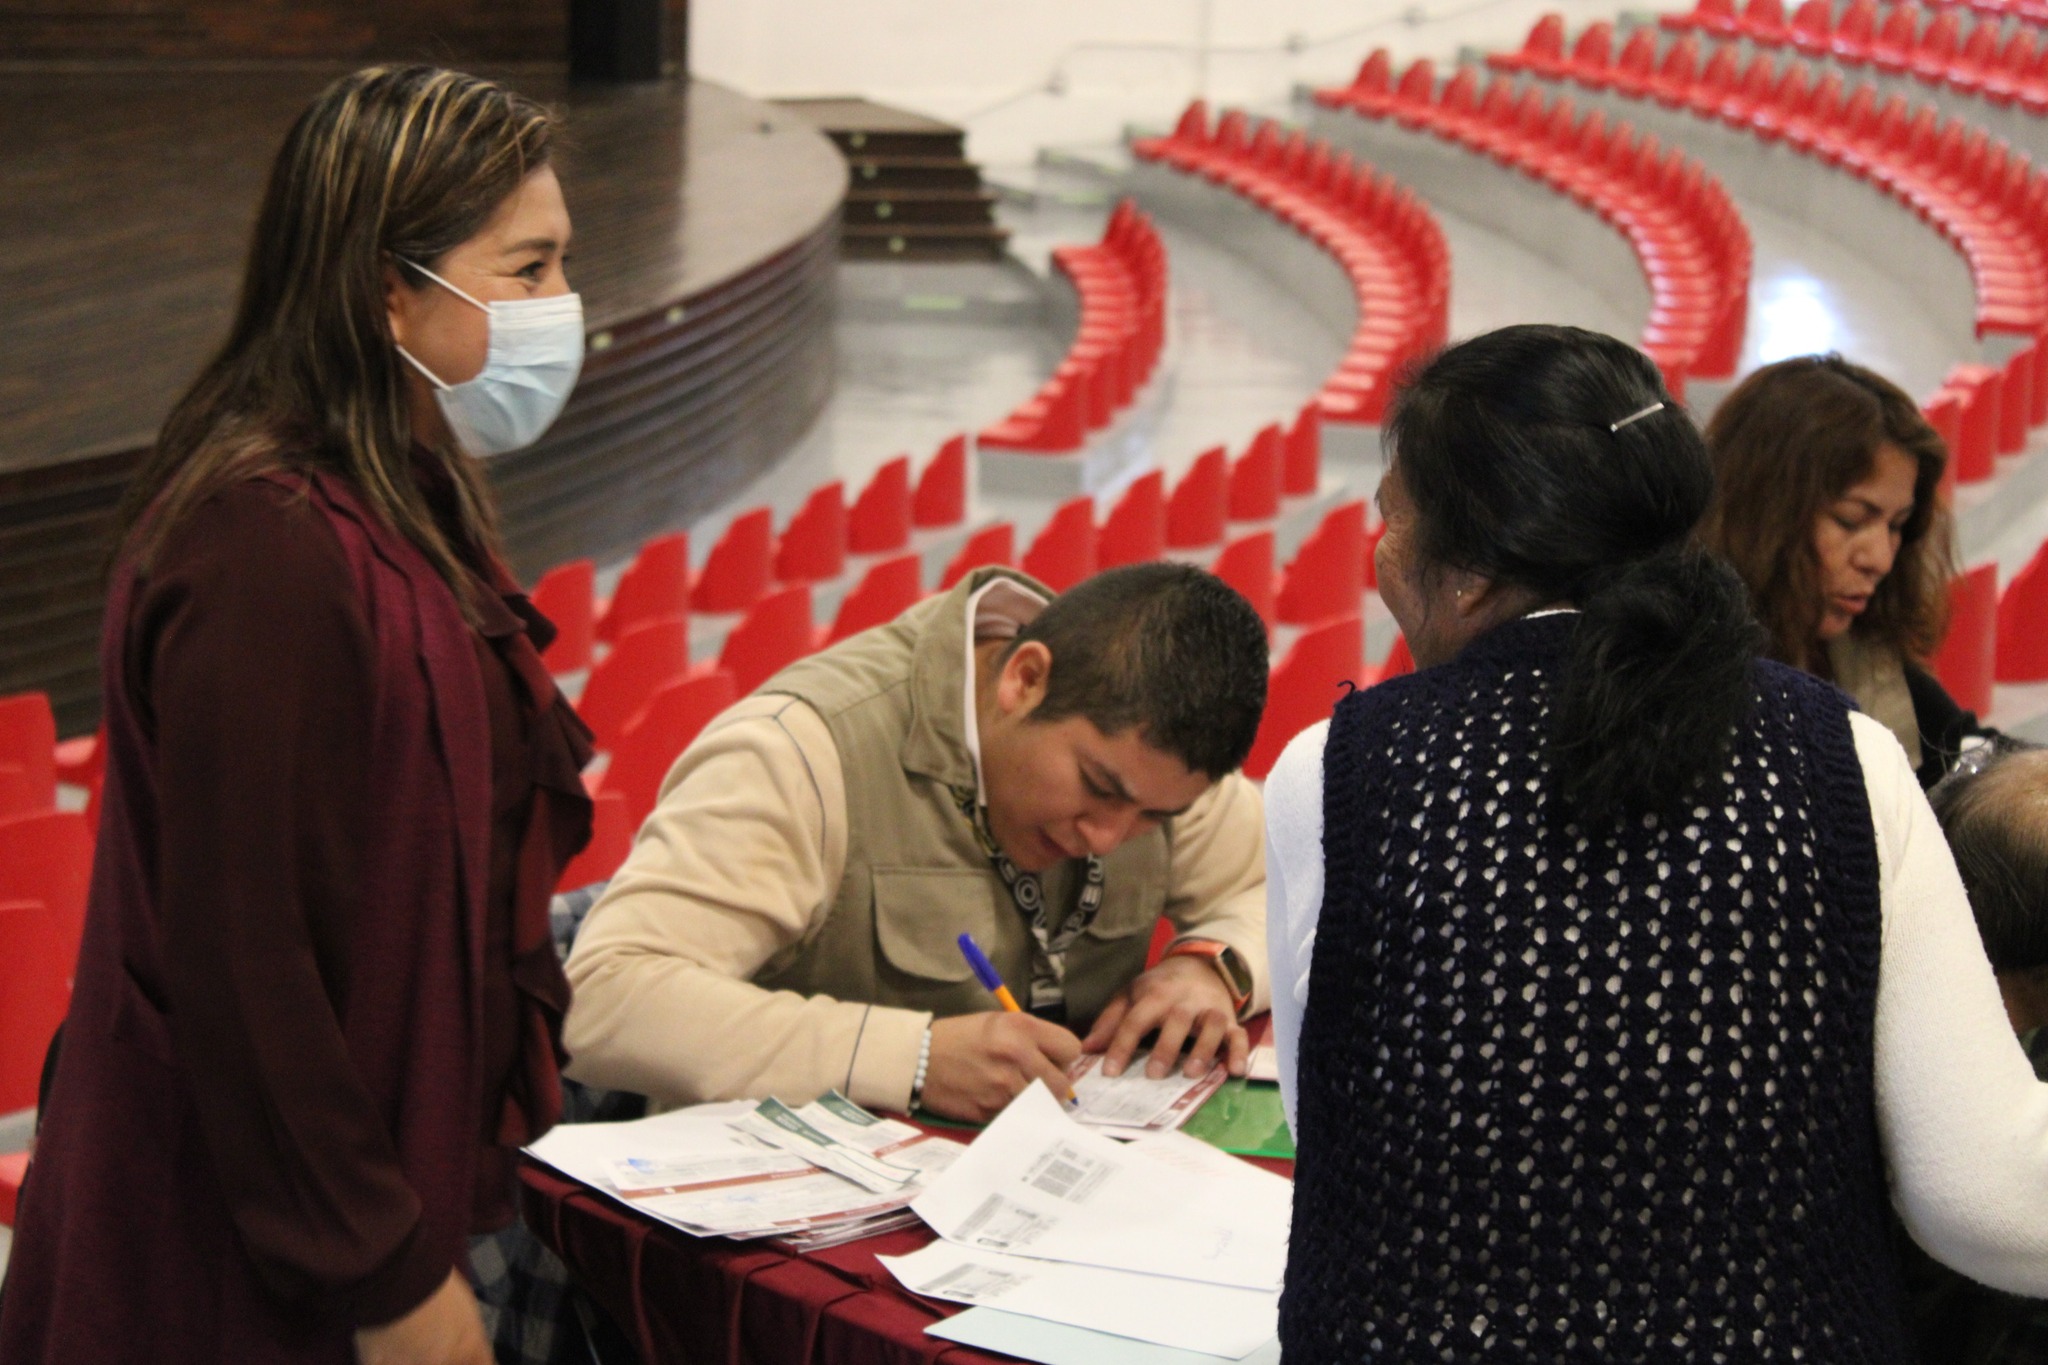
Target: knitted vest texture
[1588,1094]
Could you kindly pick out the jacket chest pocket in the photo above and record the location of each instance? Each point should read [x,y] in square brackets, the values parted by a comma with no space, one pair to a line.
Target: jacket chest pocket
[920,914]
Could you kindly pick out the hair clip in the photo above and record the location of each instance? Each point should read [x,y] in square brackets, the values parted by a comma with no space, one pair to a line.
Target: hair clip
[1635,417]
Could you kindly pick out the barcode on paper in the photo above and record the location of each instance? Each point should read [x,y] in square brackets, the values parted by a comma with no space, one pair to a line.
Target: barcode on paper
[1067,1173]
[999,1224]
[974,1283]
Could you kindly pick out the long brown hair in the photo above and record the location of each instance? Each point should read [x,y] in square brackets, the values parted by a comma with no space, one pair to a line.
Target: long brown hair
[389,162]
[1787,442]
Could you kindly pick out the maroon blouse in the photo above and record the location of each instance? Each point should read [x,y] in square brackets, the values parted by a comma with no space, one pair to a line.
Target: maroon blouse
[272,1043]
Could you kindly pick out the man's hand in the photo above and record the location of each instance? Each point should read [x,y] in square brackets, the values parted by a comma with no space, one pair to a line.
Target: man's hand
[1188,1003]
[980,1062]
[444,1330]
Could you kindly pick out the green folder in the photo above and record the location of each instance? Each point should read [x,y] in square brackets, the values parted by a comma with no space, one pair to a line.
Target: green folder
[1245,1119]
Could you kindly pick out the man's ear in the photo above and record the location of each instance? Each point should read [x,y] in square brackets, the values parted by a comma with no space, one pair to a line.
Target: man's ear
[1021,686]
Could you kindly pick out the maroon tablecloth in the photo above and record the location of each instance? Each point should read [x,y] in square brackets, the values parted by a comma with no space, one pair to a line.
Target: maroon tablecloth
[697,1301]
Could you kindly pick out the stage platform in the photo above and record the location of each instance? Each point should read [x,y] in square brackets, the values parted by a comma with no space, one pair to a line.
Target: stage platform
[706,238]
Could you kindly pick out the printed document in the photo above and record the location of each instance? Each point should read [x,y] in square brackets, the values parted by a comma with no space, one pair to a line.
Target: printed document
[1038,1184]
[1194,1317]
[1134,1103]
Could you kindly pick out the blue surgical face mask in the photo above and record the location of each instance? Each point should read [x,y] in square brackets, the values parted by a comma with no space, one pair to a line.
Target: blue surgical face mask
[536,352]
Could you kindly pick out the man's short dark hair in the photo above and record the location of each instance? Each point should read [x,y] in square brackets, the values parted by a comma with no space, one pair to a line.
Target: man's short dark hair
[1167,649]
[1996,820]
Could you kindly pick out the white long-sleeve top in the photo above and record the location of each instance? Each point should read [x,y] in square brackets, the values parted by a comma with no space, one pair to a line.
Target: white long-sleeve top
[1962,1121]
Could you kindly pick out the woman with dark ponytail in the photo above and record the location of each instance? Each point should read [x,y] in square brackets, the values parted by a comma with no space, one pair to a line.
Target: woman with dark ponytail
[1598,1062]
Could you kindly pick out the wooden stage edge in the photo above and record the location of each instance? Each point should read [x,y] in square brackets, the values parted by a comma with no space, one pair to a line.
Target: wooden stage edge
[707,229]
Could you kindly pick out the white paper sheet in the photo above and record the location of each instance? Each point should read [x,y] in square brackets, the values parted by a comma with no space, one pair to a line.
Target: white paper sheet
[692,1169]
[1057,1343]
[1038,1184]
[1195,1317]
[1135,1101]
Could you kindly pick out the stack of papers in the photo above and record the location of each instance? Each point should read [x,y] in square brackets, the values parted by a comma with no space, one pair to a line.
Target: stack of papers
[1197,1239]
[1133,1104]
[710,1171]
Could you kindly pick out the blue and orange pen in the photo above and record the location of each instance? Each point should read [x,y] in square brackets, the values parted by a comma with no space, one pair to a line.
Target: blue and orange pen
[985,971]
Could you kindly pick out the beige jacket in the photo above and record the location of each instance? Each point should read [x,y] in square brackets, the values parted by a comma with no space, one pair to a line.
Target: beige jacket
[736,871]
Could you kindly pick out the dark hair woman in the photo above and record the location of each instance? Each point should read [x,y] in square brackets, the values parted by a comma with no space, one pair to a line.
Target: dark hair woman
[1576,932]
[1826,503]
[316,1007]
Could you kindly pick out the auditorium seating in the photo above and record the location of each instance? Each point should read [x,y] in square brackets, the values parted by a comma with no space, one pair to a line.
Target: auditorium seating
[889,588]
[880,519]
[611,838]
[35,991]
[1063,552]
[812,548]
[1990,203]
[941,496]
[993,544]
[774,631]
[1121,284]
[1255,478]
[1680,222]
[1966,663]
[1247,565]
[654,586]
[741,566]
[1380,234]
[1199,509]
[567,596]
[1305,685]
[1327,575]
[28,754]
[1134,532]
[646,658]
[2022,644]
[661,730]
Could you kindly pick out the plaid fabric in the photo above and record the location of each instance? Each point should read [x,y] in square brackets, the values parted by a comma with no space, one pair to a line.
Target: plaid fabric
[530,1307]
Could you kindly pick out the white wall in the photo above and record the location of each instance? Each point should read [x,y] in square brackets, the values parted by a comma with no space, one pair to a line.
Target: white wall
[1022,76]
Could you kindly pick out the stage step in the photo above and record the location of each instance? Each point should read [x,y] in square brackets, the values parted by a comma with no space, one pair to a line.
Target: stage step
[912,195]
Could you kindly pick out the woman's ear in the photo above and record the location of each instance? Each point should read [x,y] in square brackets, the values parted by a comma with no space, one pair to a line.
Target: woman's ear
[398,303]
[1021,686]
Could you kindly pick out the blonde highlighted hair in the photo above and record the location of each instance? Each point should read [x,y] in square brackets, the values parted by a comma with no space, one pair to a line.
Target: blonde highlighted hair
[389,164]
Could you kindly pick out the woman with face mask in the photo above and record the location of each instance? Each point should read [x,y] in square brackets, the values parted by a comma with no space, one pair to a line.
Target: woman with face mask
[1825,501]
[317,1007]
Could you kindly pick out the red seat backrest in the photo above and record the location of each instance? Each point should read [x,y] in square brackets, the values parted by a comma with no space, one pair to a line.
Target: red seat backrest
[1304,687]
[611,839]
[1255,477]
[1063,552]
[1134,532]
[655,586]
[813,545]
[659,733]
[28,742]
[887,590]
[646,658]
[1327,577]
[2023,623]
[995,544]
[738,571]
[1200,505]
[880,519]
[567,596]
[48,858]
[775,632]
[1246,564]
[35,992]
[941,498]
[1302,462]
[1967,660]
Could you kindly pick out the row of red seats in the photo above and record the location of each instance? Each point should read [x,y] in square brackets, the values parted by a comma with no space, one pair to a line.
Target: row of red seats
[1990,202]
[1121,283]
[1385,239]
[1680,221]
[2004,61]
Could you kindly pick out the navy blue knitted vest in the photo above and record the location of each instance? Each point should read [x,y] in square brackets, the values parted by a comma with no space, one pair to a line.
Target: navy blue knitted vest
[1587,1094]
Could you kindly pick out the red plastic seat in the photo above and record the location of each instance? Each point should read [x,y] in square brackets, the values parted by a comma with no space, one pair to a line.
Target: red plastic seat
[775,632]
[879,521]
[2016,398]
[1327,577]
[889,588]
[2022,650]
[654,587]
[1246,564]
[567,596]
[659,733]
[740,568]
[28,748]
[1976,450]
[14,1169]
[1063,552]
[647,658]
[35,992]
[1301,465]
[812,548]
[82,758]
[611,839]
[1967,661]
[1305,686]
[941,497]
[1134,532]
[1200,505]
[48,858]
[1255,477]
[995,544]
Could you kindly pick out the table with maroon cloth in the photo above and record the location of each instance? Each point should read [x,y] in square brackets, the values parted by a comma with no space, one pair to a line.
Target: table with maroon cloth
[709,1301]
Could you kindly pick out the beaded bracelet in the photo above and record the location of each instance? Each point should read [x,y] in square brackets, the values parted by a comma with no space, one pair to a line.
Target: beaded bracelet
[924,1062]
